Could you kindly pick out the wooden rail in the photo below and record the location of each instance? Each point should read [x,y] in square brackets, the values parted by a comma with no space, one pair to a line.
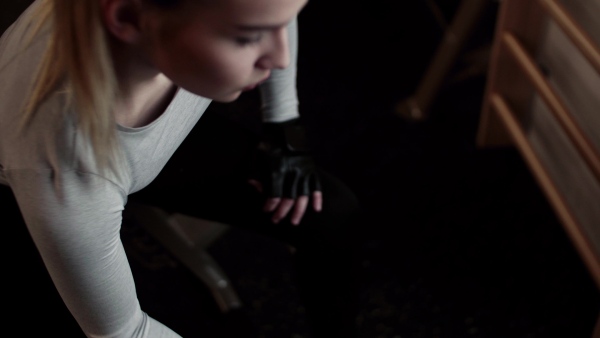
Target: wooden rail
[583,144]
[566,215]
[578,36]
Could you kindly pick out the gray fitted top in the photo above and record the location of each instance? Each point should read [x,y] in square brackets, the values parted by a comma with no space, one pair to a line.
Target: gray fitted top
[71,209]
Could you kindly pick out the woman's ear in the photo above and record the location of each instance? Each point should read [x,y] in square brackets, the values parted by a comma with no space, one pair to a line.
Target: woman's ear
[122,19]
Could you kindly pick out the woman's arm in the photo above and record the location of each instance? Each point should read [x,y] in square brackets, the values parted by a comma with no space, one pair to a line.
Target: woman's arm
[278,94]
[290,177]
[75,220]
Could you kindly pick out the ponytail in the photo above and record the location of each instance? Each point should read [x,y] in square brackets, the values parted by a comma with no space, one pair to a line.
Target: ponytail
[78,56]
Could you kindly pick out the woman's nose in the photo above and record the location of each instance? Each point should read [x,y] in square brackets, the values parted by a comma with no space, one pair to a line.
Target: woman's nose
[278,55]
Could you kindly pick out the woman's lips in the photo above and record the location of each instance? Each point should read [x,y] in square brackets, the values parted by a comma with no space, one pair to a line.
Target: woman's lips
[252,86]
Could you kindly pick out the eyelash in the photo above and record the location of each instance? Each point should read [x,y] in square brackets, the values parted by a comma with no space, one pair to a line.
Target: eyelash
[244,41]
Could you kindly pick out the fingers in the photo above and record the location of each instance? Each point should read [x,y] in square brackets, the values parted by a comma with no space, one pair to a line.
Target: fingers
[317,201]
[299,209]
[271,204]
[282,206]
[283,209]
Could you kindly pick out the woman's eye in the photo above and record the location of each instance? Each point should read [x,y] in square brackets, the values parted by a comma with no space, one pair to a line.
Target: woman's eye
[247,40]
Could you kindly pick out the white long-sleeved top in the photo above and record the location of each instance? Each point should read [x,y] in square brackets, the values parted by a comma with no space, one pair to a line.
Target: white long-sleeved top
[72,210]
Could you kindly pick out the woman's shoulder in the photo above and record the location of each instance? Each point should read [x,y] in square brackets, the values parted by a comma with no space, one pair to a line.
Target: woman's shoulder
[19,59]
[48,135]
[52,142]
[23,37]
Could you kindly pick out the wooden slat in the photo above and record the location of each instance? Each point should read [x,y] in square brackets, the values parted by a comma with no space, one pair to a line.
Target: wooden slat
[586,45]
[596,333]
[583,144]
[569,221]
[527,19]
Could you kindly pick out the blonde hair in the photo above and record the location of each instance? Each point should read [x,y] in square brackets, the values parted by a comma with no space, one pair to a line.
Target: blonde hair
[78,56]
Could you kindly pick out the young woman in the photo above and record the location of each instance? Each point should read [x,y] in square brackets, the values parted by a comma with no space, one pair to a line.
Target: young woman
[96,96]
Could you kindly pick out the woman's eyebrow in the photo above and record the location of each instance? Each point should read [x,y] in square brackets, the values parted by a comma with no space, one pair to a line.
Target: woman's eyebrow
[259,27]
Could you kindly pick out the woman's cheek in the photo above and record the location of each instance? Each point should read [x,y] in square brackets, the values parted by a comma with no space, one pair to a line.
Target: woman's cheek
[235,70]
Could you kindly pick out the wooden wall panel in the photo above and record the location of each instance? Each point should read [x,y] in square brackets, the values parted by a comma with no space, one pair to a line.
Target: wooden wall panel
[543,96]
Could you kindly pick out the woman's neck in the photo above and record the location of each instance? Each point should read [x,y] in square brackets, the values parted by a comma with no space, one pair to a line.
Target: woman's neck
[144,93]
[144,102]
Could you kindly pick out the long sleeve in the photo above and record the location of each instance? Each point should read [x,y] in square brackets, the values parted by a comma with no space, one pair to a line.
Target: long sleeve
[75,222]
[73,210]
[278,94]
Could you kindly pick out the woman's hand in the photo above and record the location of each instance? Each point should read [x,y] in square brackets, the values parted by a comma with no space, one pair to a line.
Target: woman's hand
[286,173]
[280,207]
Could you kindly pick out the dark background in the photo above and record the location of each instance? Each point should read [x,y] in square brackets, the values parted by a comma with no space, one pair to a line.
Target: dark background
[459,242]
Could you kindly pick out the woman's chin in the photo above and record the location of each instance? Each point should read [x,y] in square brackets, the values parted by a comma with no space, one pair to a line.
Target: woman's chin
[224,98]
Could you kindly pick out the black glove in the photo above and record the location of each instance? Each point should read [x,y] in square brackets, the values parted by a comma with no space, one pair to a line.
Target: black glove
[288,169]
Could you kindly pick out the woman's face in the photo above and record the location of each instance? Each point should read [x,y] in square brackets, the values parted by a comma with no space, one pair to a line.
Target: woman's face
[220,49]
